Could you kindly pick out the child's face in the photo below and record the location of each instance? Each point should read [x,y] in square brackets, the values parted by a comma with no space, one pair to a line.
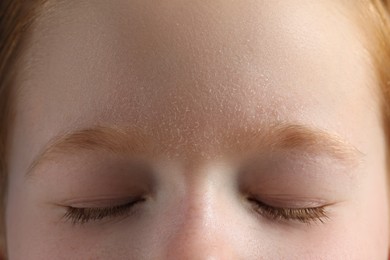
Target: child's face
[238,103]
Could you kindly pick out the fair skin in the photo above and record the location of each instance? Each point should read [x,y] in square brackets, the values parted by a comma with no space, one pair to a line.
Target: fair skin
[237,102]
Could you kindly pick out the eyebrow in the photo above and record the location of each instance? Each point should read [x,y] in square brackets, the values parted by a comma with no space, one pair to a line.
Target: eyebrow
[303,138]
[114,140]
[281,136]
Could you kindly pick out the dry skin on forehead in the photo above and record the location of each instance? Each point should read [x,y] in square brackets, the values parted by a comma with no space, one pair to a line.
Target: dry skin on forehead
[191,73]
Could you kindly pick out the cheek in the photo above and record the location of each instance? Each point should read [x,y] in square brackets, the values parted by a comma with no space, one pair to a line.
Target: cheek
[373,211]
[373,201]
[366,223]
[19,218]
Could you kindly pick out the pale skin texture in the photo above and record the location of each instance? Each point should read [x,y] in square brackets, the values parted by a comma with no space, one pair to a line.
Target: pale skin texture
[196,79]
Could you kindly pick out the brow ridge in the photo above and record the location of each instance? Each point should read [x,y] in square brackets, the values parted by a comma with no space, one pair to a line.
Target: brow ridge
[131,141]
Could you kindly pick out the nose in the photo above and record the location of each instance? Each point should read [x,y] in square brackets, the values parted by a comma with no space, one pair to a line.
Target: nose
[199,243]
[204,230]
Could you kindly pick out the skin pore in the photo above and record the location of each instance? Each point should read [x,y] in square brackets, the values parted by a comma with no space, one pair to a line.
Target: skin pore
[222,129]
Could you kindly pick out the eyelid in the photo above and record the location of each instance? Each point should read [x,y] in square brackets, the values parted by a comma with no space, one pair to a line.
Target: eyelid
[306,215]
[103,202]
[290,208]
[82,215]
[290,201]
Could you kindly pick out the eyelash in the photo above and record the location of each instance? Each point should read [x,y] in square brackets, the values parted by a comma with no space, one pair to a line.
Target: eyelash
[84,215]
[303,215]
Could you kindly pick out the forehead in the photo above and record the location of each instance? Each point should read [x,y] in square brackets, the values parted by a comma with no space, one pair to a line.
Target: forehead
[194,70]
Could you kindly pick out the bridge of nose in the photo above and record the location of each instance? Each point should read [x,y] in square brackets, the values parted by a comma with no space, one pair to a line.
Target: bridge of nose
[203,230]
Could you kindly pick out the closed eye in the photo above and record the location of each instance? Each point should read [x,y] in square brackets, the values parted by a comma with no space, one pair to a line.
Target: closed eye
[83,215]
[303,215]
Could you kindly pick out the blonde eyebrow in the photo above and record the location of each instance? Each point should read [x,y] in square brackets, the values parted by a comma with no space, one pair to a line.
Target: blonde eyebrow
[286,136]
[283,136]
[111,139]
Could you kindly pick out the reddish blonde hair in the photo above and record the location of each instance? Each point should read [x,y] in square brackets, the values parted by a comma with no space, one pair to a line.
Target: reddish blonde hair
[18,16]
[16,19]
[377,16]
